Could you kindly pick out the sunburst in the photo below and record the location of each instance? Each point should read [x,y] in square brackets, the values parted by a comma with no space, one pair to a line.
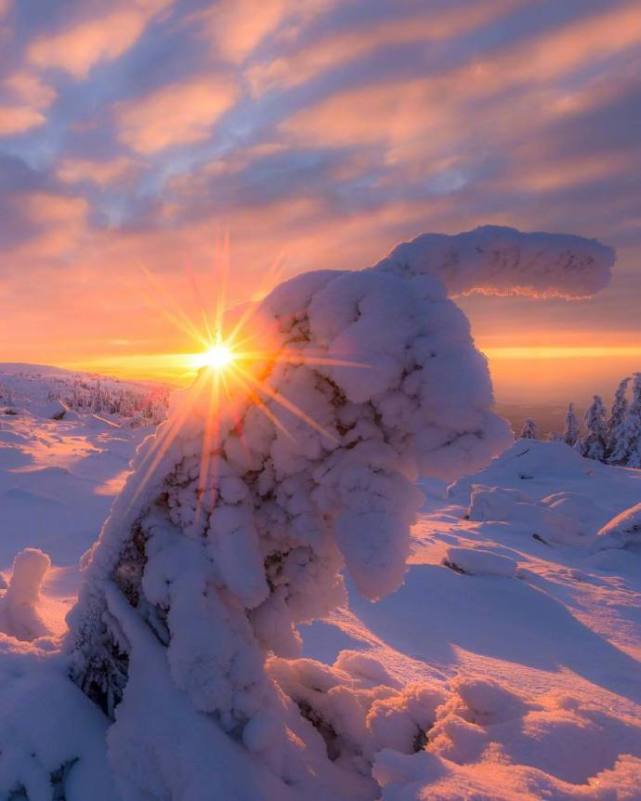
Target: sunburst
[233,367]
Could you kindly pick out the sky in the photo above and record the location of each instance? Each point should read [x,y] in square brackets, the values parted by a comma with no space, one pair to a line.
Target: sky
[145,143]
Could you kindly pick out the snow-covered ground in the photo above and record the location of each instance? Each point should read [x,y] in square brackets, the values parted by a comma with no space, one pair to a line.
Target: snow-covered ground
[58,477]
[521,619]
[529,621]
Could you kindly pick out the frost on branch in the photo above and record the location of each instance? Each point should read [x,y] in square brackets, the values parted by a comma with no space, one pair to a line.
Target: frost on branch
[242,513]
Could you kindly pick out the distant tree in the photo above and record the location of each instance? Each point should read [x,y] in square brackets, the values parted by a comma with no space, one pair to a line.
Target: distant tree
[593,445]
[617,419]
[627,449]
[529,430]
[571,430]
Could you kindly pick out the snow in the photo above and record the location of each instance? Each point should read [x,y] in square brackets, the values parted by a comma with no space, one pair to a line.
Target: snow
[504,261]
[520,675]
[19,615]
[479,562]
[623,531]
[292,606]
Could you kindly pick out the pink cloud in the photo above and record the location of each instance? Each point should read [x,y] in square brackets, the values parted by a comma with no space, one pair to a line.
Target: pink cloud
[29,89]
[62,223]
[337,48]
[236,27]
[81,46]
[177,114]
[28,98]
[18,119]
[427,118]
[102,173]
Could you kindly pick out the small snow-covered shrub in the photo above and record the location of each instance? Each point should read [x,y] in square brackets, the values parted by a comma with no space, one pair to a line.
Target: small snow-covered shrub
[241,516]
[19,615]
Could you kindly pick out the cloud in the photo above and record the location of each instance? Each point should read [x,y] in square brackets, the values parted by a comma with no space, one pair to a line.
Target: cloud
[18,119]
[30,89]
[235,28]
[324,131]
[101,39]
[100,172]
[177,114]
[26,97]
[336,48]
[425,112]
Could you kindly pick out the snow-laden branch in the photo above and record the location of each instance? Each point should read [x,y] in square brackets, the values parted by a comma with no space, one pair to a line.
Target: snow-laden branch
[503,261]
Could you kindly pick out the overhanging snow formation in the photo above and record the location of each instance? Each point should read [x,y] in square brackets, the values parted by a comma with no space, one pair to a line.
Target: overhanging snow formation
[503,261]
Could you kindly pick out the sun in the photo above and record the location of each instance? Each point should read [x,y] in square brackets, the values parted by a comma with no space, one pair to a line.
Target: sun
[218,356]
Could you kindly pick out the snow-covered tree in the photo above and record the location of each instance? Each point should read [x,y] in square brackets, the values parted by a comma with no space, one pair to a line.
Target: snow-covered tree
[243,511]
[617,419]
[571,430]
[627,448]
[529,429]
[594,444]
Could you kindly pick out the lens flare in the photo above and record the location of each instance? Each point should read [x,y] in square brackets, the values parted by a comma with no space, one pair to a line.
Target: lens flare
[218,356]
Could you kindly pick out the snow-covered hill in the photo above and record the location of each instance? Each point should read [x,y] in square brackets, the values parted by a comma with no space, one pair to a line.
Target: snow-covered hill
[520,626]
[58,477]
[529,625]
[53,392]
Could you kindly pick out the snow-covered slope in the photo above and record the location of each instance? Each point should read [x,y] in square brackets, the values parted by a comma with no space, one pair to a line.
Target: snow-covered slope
[527,648]
[58,477]
[534,638]
[52,392]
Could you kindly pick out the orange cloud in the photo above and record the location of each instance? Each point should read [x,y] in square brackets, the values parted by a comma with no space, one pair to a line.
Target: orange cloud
[61,223]
[72,171]
[82,46]
[177,114]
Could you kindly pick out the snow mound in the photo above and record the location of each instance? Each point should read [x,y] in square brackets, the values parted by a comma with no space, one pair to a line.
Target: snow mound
[19,616]
[498,504]
[489,744]
[623,531]
[504,261]
[52,738]
[479,562]
[591,492]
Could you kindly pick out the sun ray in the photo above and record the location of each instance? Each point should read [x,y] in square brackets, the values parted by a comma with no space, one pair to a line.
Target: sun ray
[290,406]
